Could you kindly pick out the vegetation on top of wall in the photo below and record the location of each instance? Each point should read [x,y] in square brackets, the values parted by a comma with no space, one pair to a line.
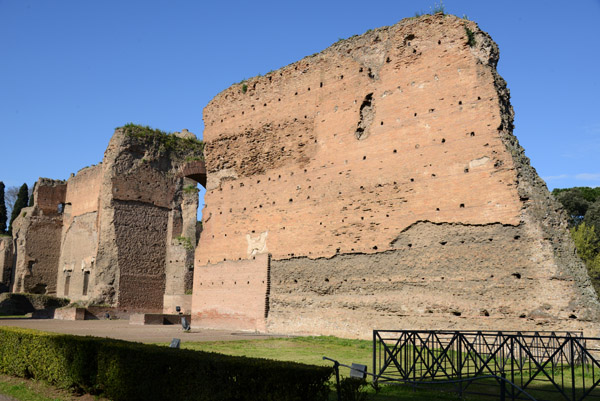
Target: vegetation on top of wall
[165,141]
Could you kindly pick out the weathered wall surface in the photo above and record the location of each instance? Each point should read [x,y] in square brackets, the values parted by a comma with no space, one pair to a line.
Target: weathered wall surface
[402,136]
[102,237]
[233,294]
[6,263]
[37,239]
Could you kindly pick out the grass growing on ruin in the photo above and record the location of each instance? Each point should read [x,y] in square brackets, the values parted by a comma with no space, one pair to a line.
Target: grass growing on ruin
[164,140]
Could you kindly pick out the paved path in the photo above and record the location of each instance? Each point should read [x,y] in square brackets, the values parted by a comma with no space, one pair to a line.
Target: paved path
[121,329]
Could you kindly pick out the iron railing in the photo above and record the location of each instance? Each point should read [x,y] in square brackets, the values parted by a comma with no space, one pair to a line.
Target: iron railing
[547,365]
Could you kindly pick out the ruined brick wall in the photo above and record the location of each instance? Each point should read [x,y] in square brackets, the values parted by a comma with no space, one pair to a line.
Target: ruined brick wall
[79,241]
[233,295]
[48,195]
[37,238]
[362,168]
[6,262]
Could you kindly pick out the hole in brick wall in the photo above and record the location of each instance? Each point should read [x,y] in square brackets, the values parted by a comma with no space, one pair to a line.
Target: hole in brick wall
[572,316]
[410,245]
[456,313]
[417,146]
[362,217]
[366,116]
[243,112]
[516,275]
[431,110]
[517,237]
[484,312]
[462,205]
[326,280]
[490,239]
[253,231]
[437,209]
[439,42]
[375,247]
[443,243]
[492,276]
[462,241]
[247,282]
[361,187]
[412,180]
[295,93]
[279,99]
[341,77]
[309,89]
[414,51]
[443,140]
[381,123]
[478,97]
[265,105]
[395,151]
[433,175]
[415,114]
[472,134]
[244,208]
[291,200]
[260,206]
[364,279]
[466,170]
[360,69]
[460,102]
[364,157]
[321,85]
[371,74]
[387,60]
[522,316]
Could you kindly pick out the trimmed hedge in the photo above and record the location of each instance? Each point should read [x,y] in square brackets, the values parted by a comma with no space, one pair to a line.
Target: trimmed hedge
[122,370]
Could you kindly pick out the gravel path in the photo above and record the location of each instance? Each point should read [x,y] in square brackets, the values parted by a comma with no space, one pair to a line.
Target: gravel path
[121,329]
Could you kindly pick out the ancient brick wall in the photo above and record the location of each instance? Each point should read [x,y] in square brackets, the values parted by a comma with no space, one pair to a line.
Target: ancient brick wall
[49,194]
[141,246]
[233,294]
[382,139]
[83,190]
[6,262]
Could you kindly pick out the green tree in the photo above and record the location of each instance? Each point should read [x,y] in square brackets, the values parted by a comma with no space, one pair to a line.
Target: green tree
[3,214]
[592,216]
[586,242]
[20,203]
[574,203]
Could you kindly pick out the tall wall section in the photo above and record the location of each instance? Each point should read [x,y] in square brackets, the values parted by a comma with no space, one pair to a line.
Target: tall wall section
[6,262]
[37,237]
[383,178]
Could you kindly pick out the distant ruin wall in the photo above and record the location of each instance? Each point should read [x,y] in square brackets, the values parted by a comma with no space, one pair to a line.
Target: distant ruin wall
[381,152]
[6,263]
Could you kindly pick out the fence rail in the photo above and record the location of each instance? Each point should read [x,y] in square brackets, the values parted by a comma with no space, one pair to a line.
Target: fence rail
[550,365]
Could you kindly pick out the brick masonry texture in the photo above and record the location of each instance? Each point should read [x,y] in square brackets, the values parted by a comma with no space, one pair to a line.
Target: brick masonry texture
[383,177]
[115,233]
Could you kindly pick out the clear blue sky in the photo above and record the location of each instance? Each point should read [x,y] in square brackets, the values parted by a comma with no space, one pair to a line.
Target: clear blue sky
[72,71]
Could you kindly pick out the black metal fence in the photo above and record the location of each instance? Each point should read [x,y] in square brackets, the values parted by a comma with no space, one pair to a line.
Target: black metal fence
[544,365]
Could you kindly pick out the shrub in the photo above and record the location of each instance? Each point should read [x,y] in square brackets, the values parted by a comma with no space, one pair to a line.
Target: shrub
[470,37]
[122,370]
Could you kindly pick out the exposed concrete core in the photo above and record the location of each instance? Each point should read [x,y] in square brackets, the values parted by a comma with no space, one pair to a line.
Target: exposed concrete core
[362,168]
[122,232]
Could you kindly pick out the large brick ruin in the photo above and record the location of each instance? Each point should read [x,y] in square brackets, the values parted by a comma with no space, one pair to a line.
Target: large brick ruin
[121,232]
[376,184]
[382,178]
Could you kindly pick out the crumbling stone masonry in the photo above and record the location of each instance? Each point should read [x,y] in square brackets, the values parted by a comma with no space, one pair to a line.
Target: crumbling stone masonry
[6,258]
[383,178]
[121,232]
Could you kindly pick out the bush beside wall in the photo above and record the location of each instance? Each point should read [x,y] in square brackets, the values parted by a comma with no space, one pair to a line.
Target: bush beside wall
[122,370]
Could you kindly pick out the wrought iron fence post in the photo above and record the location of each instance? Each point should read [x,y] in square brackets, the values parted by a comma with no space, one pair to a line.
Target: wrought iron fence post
[459,364]
[336,367]
[573,366]
[374,358]
[503,387]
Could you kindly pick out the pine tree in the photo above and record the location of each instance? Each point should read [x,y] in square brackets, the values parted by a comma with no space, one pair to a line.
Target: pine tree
[20,203]
[3,215]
